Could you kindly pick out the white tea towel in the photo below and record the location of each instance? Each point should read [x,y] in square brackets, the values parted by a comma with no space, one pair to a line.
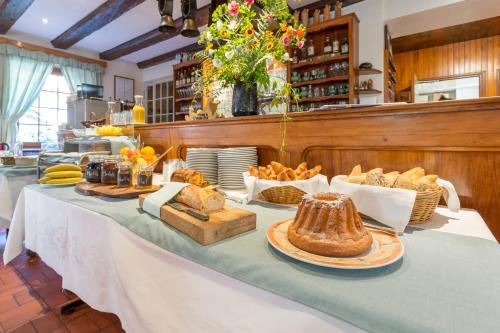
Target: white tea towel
[450,195]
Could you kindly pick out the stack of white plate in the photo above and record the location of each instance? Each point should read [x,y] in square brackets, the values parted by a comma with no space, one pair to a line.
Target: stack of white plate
[203,160]
[232,163]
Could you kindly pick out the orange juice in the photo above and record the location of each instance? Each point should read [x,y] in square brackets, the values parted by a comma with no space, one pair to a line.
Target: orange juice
[138,112]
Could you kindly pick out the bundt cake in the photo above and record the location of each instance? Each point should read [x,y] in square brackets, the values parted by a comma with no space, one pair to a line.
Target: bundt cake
[328,224]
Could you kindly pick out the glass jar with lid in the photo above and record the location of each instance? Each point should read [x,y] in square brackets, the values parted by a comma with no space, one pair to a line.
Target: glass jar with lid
[93,169]
[124,174]
[145,177]
[109,170]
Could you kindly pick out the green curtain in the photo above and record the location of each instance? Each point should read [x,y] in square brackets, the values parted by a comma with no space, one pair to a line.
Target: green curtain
[75,76]
[23,79]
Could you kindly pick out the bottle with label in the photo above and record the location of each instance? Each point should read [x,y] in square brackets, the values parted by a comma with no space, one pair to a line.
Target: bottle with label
[310,48]
[138,112]
[335,45]
[344,48]
[295,57]
[328,46]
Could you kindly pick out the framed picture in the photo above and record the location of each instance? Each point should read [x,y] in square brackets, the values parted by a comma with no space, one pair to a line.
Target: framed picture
[124,88]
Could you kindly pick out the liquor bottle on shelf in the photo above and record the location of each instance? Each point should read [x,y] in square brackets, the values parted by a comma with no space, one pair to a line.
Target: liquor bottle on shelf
[310,48]
[335,45]
[188,77]
[328,46]
[295,57]
[344,48]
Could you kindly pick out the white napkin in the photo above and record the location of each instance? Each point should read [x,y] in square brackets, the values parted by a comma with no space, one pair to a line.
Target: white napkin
[390,206]
[156,200]
[450,195]
[254,185]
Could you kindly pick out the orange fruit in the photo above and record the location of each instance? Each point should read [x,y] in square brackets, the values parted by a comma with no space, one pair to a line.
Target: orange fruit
[148,151]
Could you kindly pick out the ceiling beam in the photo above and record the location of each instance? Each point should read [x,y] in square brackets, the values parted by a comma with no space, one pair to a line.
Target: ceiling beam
[168,56]
[98,18]
[152,37]
[10,12]
[454,34]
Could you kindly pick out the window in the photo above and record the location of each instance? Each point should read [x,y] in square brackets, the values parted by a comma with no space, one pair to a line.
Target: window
[40,123]
[159,101]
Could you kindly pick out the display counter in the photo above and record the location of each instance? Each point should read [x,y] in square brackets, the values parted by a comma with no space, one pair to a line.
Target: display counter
[458,140]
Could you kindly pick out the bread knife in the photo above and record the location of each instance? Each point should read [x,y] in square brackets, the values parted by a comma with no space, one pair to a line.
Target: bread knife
[191,212]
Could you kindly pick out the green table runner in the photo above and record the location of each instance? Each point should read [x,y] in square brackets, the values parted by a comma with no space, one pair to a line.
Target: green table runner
[444,282]
[14,172]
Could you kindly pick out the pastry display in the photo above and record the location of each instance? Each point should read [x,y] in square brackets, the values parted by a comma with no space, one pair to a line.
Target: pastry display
[206,199]
[414,179]
[190,176]
[62,174]
[277,171]
[8,160]
[328,224]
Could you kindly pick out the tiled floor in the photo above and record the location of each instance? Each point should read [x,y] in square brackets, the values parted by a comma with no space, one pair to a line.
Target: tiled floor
[31,297]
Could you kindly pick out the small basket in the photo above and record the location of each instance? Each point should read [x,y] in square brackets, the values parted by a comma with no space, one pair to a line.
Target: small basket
[425,205]
[283,194]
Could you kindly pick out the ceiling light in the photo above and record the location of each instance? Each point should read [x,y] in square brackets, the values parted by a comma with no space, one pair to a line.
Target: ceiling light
[45,21]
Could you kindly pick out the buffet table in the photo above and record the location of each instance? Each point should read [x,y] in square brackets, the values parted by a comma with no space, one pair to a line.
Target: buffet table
[121,260]
[12,181]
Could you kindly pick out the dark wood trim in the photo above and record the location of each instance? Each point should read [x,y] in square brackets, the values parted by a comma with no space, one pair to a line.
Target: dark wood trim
[98,18]
[57,53]
[168,56]
[151,38]
[457,33]
[321,4]
[11,11]
[482,80]
[122,77]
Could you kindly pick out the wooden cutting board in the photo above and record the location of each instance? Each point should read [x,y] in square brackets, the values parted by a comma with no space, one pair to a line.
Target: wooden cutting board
[112,190]
[226,223]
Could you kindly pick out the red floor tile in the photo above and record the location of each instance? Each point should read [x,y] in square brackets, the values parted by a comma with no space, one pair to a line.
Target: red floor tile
[25,296]
[22,314]
[81,311]
[102,319]
[47,323]
[82,325]
[116,328]
[26,328]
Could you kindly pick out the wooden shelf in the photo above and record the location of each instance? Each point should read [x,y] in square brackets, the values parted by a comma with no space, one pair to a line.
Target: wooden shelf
[321,60]
[321,81]
[185,85]
[328,24]
[185,99]
[323,98]
[368,71]
[368,92]
[186,64]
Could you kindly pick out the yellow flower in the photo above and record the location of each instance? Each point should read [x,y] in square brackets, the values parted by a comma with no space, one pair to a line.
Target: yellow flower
[283,26]
[249,31]
[210,46]
[254,42]
[223,33]
[269,33]
[269,46]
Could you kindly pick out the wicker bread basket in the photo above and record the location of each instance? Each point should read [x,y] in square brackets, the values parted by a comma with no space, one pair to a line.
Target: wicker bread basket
[282,194]
[425,205]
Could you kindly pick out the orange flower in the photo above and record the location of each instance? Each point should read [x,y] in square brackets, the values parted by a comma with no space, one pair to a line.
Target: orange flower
[300,33]
[210,46]
[283,26]
[290,31]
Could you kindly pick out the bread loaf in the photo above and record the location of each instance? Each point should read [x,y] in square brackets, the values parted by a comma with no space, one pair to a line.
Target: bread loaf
[189,176]
[206,200]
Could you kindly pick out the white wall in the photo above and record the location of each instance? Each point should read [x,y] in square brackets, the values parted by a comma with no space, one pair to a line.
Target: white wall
[371,39]
[125,69]
[398,8]
[157,72]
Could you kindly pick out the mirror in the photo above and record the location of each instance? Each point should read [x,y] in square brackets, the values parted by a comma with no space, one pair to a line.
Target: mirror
[449,88]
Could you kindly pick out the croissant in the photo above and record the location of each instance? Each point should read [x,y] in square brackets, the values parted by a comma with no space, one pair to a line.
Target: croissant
[253,171]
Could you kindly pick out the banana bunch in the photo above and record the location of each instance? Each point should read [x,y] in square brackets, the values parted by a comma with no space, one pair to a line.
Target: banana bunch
[62,174]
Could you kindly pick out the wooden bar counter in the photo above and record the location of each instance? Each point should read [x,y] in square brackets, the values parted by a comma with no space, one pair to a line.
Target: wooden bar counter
[458,140]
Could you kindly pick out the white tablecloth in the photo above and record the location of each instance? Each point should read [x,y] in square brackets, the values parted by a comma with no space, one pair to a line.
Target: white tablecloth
[153,290]
[10,187]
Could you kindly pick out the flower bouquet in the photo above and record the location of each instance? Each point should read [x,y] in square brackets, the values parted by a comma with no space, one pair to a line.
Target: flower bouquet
[240,44]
